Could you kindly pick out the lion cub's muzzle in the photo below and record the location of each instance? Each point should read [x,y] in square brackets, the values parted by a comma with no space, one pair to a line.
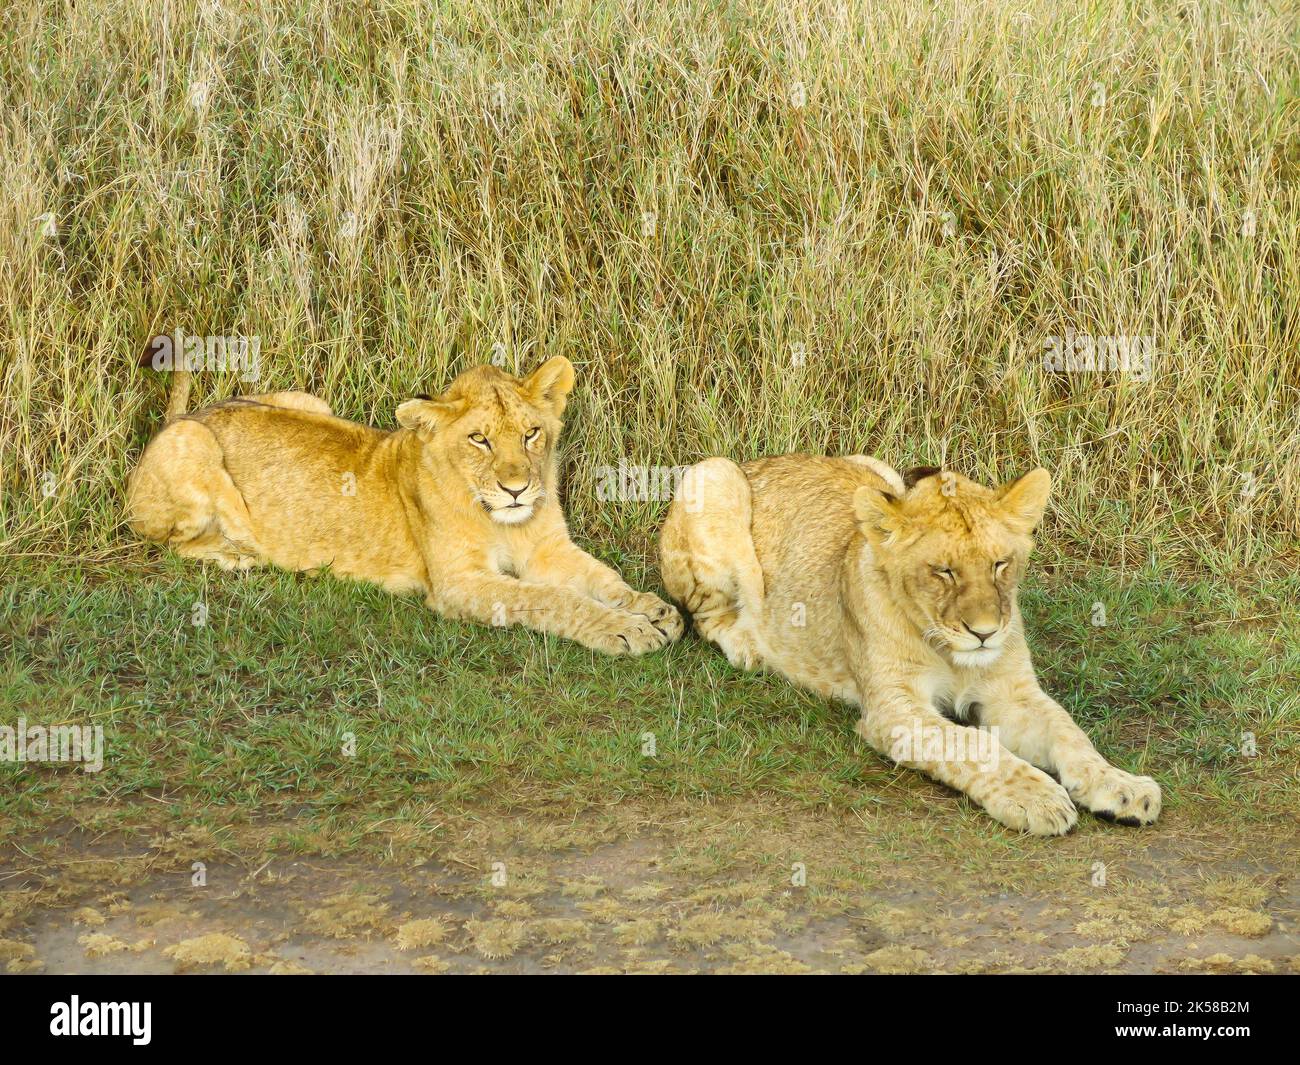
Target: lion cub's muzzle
[973,647]
[511,506]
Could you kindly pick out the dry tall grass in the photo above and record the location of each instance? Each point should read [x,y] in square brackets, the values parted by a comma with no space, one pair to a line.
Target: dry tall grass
[755,226]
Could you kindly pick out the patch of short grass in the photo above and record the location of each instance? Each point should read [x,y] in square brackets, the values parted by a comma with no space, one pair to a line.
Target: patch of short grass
[253,714]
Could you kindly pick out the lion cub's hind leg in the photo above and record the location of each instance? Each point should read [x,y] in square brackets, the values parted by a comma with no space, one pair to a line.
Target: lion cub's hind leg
[708,560]
[181,495]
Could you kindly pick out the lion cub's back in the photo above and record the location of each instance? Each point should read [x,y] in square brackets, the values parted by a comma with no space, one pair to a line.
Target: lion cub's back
[270,449]
[803,516]
[318,490]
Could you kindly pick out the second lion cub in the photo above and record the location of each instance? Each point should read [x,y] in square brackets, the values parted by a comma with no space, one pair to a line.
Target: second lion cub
[901,597]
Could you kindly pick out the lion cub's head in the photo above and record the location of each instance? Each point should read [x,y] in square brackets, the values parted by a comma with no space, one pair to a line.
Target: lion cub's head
[497,433]
[952,553]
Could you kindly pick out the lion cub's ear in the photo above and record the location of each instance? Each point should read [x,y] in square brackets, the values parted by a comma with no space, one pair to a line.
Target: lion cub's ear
[426,415]
[879,513]
[550,384]
[1021,502]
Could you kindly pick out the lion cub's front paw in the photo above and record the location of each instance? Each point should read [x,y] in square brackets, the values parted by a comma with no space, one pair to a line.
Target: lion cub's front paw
[661,615]
[1114,795]
[628,634]
[1031,801]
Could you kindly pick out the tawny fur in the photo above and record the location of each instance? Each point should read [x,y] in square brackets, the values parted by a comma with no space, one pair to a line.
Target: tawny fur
[902,601]
[460,504]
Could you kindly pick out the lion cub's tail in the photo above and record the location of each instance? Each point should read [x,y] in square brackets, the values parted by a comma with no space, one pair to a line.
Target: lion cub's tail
[179,396]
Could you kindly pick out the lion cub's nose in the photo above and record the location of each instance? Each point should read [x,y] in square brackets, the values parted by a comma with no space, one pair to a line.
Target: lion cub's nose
[514,493]
[978,634]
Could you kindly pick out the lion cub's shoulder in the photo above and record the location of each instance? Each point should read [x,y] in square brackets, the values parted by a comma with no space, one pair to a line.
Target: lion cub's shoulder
[803,504]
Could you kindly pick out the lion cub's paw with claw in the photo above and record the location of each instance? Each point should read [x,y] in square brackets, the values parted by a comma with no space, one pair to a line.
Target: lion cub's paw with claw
[1114,795]
[627,634]
[663,616]
[1031,801]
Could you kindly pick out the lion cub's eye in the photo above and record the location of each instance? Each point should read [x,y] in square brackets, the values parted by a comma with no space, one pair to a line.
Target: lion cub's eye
[945,573]
[479,439]
[1000,565]
[531,435]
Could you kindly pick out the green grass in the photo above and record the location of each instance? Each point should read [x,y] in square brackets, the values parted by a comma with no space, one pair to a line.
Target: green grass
[243,719]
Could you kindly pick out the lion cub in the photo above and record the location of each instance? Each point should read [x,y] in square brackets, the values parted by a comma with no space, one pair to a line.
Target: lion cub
[459,504]
[898,596]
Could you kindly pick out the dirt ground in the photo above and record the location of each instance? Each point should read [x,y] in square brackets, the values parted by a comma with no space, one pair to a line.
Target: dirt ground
[626,893]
